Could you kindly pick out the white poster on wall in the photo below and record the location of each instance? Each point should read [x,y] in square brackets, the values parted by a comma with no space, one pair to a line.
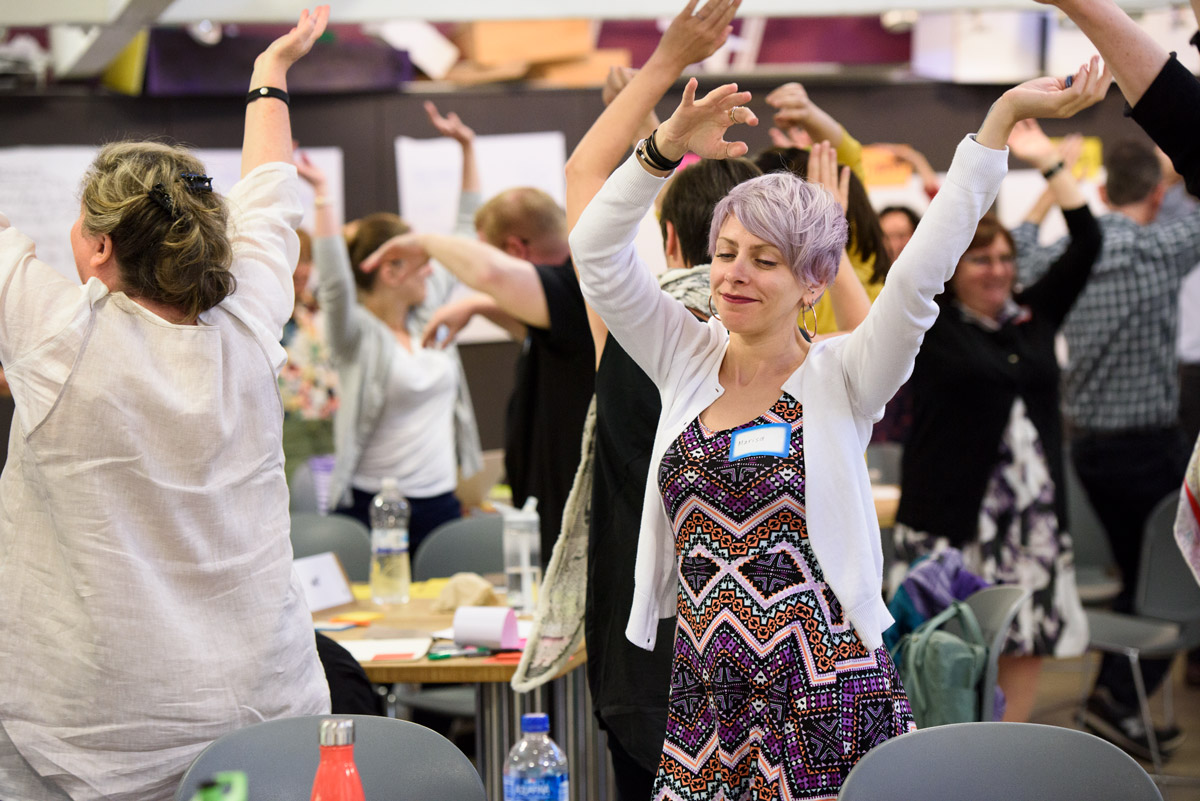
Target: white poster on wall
[429,173]
[40,190]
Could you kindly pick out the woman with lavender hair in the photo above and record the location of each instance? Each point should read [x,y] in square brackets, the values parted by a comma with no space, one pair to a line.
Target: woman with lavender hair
[765,538]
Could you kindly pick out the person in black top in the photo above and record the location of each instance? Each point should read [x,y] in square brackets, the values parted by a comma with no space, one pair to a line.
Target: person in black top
[984,454]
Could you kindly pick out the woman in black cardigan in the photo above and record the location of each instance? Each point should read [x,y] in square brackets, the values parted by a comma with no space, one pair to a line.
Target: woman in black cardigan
[984,454]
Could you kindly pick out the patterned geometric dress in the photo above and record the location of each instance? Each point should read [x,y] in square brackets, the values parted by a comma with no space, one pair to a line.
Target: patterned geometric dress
[773,694]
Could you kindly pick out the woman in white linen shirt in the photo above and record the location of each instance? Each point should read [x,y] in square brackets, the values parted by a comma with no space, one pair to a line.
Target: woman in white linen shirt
[765,538]
[146,578]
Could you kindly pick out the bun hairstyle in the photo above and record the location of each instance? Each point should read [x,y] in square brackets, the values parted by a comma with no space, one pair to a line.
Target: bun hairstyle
[371,232]
[802,220]
[170,238]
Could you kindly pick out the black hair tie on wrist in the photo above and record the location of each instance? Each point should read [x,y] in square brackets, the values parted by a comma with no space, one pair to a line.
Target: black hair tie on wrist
[267,91]
[1050,173]
[654,158]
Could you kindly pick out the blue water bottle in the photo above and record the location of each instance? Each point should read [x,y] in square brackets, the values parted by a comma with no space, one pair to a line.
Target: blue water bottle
[536,769]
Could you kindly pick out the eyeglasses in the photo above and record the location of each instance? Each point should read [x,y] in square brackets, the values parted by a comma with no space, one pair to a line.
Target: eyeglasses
[986,260]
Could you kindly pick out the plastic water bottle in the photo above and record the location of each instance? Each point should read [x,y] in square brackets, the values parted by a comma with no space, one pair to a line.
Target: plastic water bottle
[536,769]
[391,572]
[337,775]
[522,556]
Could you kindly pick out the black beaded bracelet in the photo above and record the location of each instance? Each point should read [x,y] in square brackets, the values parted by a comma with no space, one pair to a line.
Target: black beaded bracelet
[656,159]
[1050,173]
[268,91]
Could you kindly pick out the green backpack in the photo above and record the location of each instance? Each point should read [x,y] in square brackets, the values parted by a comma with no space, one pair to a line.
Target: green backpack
[941,671]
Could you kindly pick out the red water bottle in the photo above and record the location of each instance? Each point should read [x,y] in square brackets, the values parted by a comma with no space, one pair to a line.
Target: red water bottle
[337,775]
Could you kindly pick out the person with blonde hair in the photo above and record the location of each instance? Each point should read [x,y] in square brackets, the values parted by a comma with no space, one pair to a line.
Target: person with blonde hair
[145,567]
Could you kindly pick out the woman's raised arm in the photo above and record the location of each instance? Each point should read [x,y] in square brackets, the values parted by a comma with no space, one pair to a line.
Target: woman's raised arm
[268,135]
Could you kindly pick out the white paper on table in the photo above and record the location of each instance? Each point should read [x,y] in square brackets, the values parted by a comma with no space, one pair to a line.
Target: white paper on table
[489,626]
[324,581]
[392,650]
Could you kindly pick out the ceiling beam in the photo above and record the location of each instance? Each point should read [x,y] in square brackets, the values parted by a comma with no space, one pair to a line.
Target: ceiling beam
[84,51]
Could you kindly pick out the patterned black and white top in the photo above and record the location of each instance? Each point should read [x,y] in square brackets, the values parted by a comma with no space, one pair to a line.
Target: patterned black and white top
[1121,332]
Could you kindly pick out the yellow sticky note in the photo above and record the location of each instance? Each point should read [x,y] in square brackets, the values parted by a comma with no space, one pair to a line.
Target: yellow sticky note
[357,618]
[429,589]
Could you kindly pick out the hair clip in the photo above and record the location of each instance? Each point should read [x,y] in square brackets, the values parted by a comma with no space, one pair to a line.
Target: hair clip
[196,182]
[159,195]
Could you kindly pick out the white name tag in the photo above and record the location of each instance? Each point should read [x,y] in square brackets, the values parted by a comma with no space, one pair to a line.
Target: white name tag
[772,439]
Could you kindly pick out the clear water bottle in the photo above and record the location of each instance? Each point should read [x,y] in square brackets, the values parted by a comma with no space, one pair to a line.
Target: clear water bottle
[391,573]
[536,769]
[337,775]
[522,556]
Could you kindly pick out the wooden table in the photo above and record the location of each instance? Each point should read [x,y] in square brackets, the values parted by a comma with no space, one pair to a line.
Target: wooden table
[498,709]
[887,501]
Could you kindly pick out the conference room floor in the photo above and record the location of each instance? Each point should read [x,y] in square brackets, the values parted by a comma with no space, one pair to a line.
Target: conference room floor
[1058,697]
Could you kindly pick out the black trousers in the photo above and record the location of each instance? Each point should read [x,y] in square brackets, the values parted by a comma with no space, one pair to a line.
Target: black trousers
[1125,475]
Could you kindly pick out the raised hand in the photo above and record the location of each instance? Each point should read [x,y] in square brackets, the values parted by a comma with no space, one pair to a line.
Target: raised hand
[1043,98]
[793,104]
[404,248]
[699,126]
[445,323]
[291,47]
[1070,149]
[1030,144]
[1047,98]
[618,78]
[823,170]
[792,137]
[308,171]
[695,35]
[450,125]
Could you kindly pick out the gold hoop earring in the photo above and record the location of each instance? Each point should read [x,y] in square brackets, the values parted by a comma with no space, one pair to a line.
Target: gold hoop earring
[711,311]
[804,332]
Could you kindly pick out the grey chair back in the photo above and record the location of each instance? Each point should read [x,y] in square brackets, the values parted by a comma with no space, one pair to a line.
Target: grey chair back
[1166,587]
[302,490]
[470,544]
[995,609]
[1096,575]
[348,538]
[397,760]
[883,460]
[998,761]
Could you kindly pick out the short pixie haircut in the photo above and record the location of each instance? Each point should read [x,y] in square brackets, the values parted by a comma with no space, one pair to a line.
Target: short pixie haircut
[801,220]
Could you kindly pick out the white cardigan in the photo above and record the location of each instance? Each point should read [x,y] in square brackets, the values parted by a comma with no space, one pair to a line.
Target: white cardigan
[842,385]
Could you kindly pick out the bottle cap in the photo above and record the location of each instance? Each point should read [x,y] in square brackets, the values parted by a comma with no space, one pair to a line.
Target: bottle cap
[337,731]
[389,483]
[535,723]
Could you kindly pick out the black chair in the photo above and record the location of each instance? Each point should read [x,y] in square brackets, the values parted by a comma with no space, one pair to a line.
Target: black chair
[397,760]
[470,544]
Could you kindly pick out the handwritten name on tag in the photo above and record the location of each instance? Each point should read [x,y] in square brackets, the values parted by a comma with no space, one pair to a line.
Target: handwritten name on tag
[766,440]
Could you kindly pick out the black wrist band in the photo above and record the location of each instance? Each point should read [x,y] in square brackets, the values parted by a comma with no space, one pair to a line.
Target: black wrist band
[268,91]
[657,159]
[1050,173]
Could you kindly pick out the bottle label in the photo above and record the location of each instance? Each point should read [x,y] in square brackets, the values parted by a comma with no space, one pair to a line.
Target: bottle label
[544,788]
[385,541]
